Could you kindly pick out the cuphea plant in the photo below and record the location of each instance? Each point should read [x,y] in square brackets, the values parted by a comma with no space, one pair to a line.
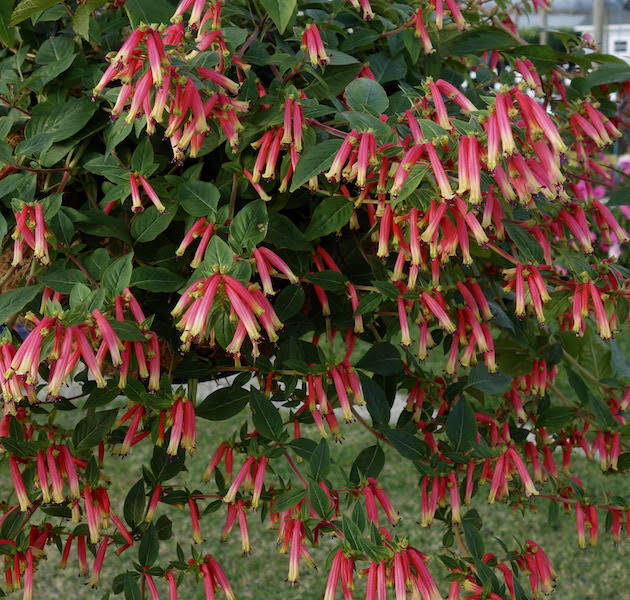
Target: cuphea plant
[318,206]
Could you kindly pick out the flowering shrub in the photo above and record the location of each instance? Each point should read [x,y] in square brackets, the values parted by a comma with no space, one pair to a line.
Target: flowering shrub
[321,206]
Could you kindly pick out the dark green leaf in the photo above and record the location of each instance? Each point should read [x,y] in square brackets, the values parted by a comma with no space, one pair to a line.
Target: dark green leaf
[199,198]
[133,509]
[555,418]
[366,95]
[265,415]
[320,461]
[223,403]
[117,275]
[92,429]
[148,224]
[289,302]
[382,359]
[142,160]
[283,233]
[148,11]
[249,226]
[490,383]
[313,161]
[608,73]
[149,547]
[461,426]
[280,11]
[156,279]
[526,245]
[289,499]
[319,501]
[61,121]
[602,413]
[62,280]
[407,444]
[131,587]
[28,8]
[352,534]
[329,216]
[376,401]
[218,255]
[474,541]
[127,331]
[14,301]
[480,40]
[331,281]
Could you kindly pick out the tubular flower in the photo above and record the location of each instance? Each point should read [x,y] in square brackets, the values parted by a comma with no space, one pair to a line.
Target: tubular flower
[312,44]
[30,229]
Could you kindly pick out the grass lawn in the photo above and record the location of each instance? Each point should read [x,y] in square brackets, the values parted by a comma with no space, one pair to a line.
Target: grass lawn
[582,574]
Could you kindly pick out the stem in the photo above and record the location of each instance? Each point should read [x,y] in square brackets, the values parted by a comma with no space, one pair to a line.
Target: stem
[254,34]
[328,128]
[371,429]
[503,254]
[584,371]
[295,469]
[82,269]
[233,197]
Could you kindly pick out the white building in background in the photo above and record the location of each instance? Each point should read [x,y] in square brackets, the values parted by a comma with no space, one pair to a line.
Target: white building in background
[578,15]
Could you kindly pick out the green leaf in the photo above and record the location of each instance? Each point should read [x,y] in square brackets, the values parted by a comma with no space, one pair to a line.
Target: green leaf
[555,418]
[28,8]
[199,198]
[107,166]
[92,429]
[282,233]
[461,426]
[3,229]
[81,19]
[352,534]
[249,226]
[218,255]
[331,281]
[148,11]
[407,444]
[223,403]
[329,216]
[117,275]
[479,40]
[376,401]
[127,331]
[491,383]
[156,279]
[608,73]
[289,302]
[133,509]
[369,303]
[265,415]
[142,160]
[61,121]
[320,460]
[319,501]
[131,587]
[149,547]
[148,224]
[620,197]
[369,463]
[280,11]
[62,280]
[14,301]
[289,499]
[602,413]
[526,245]
[474,541]
[382,358]
[364,94]
[6,33]
[313,161]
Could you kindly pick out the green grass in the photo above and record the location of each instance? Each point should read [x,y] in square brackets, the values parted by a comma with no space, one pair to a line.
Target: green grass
[582,574]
